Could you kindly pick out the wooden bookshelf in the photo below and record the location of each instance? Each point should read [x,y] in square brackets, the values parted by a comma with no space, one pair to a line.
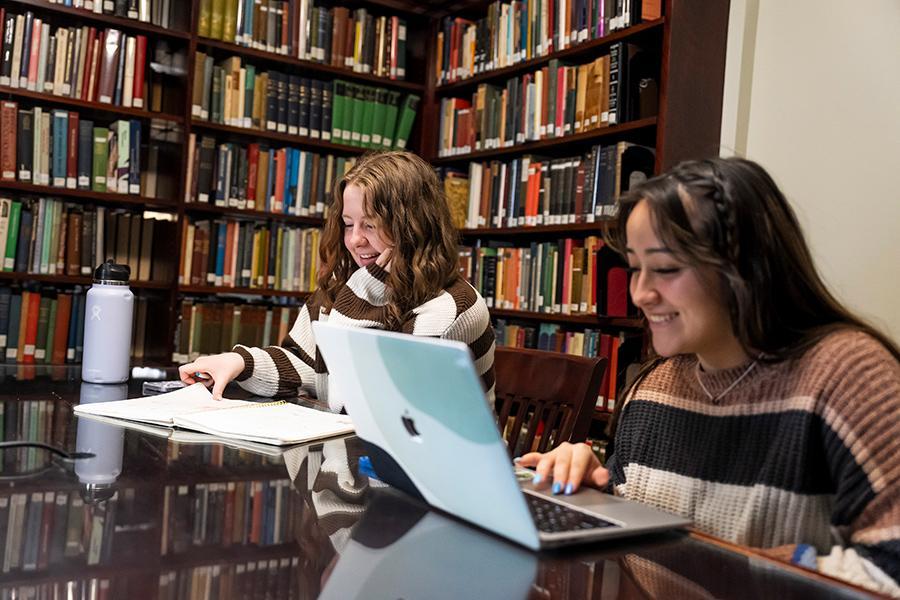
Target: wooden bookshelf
[77,280]
[90,196]
[567,144]
[85,107]
[202,208]
[238,291]
[308,66]
[597,227]
[588,320]
[246,133]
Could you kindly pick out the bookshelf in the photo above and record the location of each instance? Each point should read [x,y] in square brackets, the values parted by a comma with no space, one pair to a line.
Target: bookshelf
[675,56]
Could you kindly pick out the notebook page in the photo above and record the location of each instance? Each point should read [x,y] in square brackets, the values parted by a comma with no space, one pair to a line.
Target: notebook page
[163,408]
[270,423]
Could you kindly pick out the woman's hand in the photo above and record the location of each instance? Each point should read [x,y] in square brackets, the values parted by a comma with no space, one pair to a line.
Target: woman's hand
[383,260]
[218,369]
[569,465]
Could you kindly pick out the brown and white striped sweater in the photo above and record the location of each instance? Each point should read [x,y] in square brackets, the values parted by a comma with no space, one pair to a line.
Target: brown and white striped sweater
[457,313]
[805,451]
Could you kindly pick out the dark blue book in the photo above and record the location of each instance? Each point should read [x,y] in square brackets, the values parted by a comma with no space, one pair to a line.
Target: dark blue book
[26,222]
[221,238]
[5,296]
[12,336]
[85,154]
[79,332]
[134,162]
[60,135]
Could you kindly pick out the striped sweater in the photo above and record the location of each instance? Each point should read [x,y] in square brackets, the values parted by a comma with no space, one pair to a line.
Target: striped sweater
[801,451]
[457,313]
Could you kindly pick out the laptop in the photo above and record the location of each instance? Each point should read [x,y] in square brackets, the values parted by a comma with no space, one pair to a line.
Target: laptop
[418,404]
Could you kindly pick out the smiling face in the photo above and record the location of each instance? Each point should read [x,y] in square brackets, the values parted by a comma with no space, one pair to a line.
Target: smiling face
[683,303]
[363,237]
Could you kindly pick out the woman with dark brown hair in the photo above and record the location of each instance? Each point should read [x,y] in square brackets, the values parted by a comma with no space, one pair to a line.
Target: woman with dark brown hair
[771,414]
[388,261]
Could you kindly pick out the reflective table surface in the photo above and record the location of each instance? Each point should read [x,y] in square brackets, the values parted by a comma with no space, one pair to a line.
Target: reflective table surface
[150,517]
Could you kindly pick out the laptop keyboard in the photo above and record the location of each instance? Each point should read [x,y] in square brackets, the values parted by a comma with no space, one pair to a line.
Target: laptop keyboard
[551,517]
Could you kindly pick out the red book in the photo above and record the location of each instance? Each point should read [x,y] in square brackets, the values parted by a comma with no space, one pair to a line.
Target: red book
[252,168]
[395,32]
[617,292]
[109,61]
[140,60]
[566,275]
[228,274]
[46,526]
[604,351]
[60,333]
[35,52]
[9,114]
[72,154]
[88,63]
[561,86]
[31,327]
[280,172]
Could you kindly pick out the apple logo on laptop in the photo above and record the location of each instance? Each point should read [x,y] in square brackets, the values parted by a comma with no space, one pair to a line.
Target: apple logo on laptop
[410,426]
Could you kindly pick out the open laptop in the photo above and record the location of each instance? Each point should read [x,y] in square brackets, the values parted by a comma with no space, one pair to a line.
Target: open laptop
[419,404]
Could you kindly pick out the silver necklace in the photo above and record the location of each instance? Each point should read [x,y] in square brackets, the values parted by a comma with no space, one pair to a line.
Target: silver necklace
[715,398]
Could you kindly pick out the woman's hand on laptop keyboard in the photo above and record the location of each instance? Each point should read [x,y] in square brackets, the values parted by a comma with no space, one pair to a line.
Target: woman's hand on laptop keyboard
[569,466]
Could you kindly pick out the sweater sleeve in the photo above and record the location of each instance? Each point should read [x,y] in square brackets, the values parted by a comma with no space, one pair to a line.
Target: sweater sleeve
[860,415]
[287,369]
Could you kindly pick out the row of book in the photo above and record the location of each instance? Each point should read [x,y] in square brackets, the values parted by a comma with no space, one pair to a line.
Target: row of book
[57,148]
[513,32]
[554,101]
[42,529]
[212,327]
[102,65]
[40,420]
[222,514]
[216,456]
[47,327]
[335,36]
[566,276]
[100,588]
[52,237]
[258,177]
[269,578]
[623,353]
[534,190]
[162,13]
[40,328]
[240,95]
[246,254]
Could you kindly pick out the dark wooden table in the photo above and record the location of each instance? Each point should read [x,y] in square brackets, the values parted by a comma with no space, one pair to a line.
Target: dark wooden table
[148,517]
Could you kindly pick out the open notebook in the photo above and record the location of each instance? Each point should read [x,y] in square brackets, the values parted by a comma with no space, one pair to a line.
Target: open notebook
[193,407]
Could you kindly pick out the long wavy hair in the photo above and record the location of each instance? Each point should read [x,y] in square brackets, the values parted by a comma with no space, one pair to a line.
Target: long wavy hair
[405,198]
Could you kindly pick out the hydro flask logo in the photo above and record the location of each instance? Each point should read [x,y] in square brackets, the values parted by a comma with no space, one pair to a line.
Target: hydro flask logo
[95,313]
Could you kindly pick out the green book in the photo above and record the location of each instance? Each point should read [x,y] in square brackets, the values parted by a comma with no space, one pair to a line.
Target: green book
[101,158]
[250,88]
[347,112]
[552,68]
[51,330]
[40,344]
[337,110]
[217,19]
[12,235]
[216,98]
[405,121]
[204,24]
[229,23]
[381,95]
[390,119]
[368,122]
[47,237]
[357,113]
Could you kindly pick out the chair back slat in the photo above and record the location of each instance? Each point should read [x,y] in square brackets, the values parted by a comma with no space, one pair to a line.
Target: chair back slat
[547,391]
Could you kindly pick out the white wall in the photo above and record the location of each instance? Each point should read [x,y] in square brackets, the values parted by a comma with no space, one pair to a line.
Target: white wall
[812,92]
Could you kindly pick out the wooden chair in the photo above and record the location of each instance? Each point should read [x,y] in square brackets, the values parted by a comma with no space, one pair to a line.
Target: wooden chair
[544,398]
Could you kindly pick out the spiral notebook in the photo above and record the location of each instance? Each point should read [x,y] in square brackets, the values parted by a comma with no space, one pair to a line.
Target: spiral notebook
[276,423]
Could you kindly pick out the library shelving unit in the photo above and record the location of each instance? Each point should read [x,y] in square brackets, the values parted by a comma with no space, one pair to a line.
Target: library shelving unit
[687,42]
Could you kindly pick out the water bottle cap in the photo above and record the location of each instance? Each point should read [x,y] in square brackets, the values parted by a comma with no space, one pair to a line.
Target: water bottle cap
[110,271]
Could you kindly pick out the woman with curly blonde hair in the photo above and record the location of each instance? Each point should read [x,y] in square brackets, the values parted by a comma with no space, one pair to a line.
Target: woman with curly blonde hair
[388,261]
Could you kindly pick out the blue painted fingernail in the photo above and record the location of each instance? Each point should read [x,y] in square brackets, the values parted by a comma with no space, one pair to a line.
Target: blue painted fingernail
[568,491]
[557,487]
[537,479]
